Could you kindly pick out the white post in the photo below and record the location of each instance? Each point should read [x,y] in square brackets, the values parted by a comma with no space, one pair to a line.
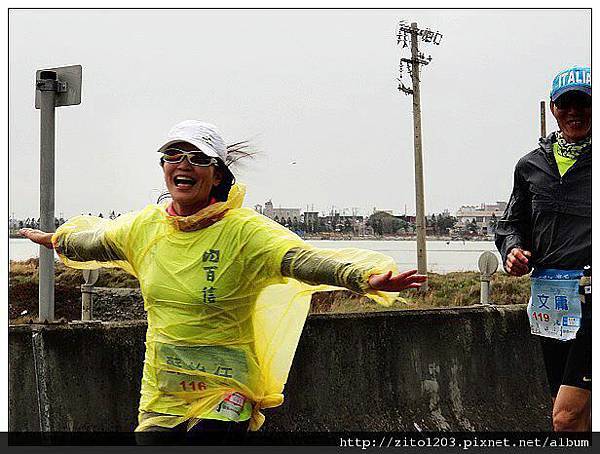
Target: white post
[488,264]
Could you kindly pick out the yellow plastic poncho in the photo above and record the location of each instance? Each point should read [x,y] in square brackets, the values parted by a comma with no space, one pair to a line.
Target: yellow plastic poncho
[222,318]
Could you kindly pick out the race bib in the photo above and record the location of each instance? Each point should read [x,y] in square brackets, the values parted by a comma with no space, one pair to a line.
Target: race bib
[554,308]
[228,362]
[222,361]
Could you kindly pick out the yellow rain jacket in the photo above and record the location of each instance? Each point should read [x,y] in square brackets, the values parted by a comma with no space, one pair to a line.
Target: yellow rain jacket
[222,319]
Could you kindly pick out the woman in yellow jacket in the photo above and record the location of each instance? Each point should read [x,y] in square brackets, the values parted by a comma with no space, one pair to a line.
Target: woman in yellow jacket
[226,289]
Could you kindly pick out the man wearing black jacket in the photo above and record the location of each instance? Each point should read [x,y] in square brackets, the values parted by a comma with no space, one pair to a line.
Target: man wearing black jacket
[547,227]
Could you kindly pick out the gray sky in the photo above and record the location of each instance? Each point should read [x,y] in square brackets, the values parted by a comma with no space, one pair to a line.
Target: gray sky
[313,86]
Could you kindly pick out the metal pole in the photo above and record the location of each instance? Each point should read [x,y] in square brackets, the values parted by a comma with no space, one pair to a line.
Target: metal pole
[485,291]
[86,301]
[543,118]
[419,184]
[46,269]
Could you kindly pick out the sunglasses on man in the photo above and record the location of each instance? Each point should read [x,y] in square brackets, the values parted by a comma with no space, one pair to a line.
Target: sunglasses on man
[573,100]
[195,158]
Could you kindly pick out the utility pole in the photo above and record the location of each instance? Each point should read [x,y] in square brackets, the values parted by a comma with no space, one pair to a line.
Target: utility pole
[413,33]
[418,146]
[543,118]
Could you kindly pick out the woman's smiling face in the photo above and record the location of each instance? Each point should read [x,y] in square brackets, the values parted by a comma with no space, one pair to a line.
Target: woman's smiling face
[189,185]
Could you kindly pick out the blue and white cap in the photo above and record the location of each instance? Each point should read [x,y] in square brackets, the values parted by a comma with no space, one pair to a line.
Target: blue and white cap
[204,136]
[577,78]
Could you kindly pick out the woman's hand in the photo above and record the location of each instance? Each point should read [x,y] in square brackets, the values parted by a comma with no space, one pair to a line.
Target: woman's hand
[388,283]
[39,237]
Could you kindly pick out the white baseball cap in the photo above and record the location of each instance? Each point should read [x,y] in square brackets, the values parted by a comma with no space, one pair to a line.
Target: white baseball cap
[204,136]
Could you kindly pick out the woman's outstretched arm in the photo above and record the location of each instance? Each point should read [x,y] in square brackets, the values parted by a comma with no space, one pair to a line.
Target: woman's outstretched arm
[80,246]
[38,236]
[314,267]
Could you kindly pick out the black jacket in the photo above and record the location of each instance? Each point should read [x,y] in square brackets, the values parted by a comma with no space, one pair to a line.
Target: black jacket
[549,215]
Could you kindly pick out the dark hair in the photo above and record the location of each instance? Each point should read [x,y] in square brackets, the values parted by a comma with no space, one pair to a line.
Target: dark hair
[221,192]
[235,152]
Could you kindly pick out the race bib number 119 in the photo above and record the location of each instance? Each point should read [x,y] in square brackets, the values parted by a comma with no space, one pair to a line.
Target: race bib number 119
[554,309]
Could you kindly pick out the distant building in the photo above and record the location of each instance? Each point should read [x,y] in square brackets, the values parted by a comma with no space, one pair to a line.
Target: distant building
[485,216]
[409,219]
[311,217]
[311,221]
[360,227]
[375,210]
[289,216]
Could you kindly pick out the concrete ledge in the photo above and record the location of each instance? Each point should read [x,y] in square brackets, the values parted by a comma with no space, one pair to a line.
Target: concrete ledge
[471,368]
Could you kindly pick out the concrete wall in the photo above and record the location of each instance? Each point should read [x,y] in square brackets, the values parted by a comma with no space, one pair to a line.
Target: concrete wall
[475,368]
[91,373]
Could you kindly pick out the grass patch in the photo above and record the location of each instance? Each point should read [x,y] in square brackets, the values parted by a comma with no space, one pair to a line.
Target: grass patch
[445,290]
[27,271]
[23,289]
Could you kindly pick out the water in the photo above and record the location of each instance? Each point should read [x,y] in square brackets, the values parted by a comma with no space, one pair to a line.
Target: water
[442,256]
[23,249]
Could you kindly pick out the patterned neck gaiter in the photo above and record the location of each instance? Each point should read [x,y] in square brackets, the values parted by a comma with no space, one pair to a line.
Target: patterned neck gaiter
[572,150]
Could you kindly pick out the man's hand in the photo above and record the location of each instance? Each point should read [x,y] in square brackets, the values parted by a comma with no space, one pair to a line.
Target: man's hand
[39,237]
[388,283]
[517,262]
